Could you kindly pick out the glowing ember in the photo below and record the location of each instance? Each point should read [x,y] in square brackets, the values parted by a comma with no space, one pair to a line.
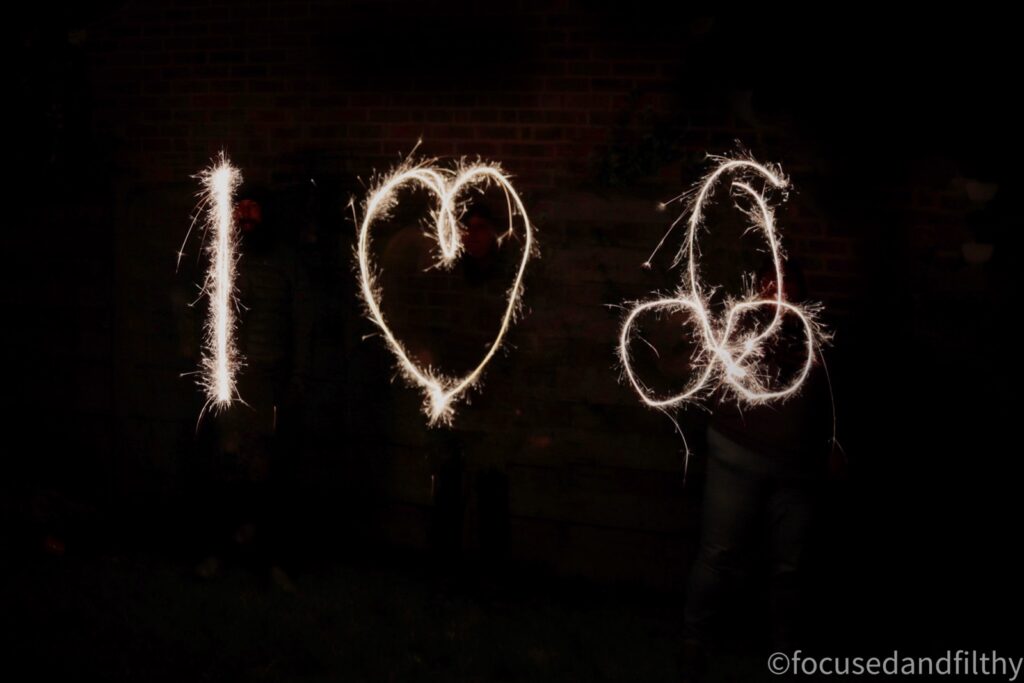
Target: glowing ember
[728,354]
[447,186]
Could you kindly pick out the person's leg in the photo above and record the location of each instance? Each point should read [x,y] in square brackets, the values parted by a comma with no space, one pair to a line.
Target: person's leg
[282,511]
[220,496]
[732,500]
[790,512]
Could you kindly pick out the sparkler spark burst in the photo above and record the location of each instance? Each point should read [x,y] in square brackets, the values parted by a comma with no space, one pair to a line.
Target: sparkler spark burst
[220,359]
[447,186]
[729,349]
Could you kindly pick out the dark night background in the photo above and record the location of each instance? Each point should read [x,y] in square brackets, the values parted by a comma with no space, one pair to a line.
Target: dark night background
[572,565]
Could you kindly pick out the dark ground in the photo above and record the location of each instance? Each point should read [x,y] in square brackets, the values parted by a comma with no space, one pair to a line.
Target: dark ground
[142,617]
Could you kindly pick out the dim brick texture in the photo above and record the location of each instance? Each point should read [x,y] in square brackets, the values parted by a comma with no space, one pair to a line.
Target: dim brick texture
[299,90]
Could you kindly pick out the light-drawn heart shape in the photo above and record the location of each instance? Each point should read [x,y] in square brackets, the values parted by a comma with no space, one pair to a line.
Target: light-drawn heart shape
[726,355]
[446,186]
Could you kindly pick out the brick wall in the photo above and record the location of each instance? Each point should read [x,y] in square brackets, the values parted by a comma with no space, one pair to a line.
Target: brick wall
[598,118]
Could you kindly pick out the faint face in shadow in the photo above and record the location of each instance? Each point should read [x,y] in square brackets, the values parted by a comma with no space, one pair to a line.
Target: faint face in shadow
[248,216]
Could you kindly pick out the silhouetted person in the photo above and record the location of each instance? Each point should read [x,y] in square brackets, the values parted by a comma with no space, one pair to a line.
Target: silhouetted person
[258,437]
[474,294]
[455,475]
[764,467]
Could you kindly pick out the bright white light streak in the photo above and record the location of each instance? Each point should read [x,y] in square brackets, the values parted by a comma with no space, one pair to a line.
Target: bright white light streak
[448,187]
[220,358]
[728,353]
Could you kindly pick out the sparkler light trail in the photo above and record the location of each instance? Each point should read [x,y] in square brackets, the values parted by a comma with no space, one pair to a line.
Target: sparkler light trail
[728,352]
[447,187]
[220,359]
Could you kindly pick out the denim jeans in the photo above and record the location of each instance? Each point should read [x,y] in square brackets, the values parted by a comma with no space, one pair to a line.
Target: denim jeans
[743,501]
